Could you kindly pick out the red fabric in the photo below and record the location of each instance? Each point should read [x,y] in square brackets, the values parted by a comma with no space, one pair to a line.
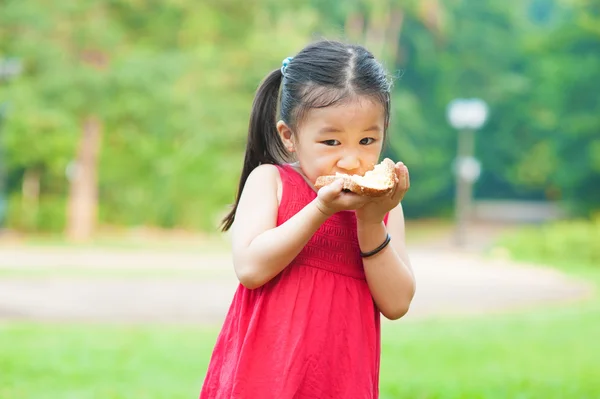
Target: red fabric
[311,332]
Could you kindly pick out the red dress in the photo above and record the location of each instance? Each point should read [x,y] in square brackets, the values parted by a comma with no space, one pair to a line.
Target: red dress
[311,332]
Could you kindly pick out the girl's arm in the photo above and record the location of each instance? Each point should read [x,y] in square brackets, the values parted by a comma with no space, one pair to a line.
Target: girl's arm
[389,273]
[260,249]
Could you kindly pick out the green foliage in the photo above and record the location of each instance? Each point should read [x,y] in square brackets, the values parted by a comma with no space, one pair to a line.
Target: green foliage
[571,244]
[48,215]
[173,104]
[172,84]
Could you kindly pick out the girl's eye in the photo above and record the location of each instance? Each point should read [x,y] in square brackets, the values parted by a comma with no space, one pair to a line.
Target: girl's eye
[367,141]
[330,142]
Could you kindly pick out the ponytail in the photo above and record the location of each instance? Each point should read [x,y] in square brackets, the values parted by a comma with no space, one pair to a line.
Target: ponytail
[264,145]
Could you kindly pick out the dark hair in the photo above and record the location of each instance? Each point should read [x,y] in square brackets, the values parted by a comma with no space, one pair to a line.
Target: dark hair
[322,74]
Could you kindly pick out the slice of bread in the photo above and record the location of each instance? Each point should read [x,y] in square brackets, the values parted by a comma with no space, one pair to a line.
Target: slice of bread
[375,183]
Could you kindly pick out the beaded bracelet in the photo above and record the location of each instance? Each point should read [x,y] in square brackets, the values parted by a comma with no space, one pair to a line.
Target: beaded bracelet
[378,249]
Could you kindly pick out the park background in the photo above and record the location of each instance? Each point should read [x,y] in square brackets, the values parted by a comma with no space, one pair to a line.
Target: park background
[122,131]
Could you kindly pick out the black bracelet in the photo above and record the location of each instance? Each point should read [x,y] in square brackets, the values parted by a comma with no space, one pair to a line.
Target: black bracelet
[378,249]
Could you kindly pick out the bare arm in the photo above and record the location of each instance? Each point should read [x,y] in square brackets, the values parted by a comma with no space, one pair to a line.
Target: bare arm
[389,273]
[261,249]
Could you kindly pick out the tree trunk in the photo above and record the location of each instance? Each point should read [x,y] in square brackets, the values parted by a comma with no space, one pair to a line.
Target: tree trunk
[431,15]
[354,26]
[83,196]
[393,35]
[382,33]
[375,33]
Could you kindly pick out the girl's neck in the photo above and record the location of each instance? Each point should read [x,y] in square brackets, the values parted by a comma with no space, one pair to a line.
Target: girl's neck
[298,169]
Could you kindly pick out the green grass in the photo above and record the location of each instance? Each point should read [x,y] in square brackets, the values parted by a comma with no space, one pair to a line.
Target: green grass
[546,354]
[80,362]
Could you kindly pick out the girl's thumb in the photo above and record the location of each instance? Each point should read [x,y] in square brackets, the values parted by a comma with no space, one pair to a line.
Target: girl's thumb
[330,191]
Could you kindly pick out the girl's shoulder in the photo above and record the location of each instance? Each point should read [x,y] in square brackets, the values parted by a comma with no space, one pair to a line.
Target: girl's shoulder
[265,178]
[269,178]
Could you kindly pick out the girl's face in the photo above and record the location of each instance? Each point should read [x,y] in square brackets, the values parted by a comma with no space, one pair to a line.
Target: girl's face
[345,138]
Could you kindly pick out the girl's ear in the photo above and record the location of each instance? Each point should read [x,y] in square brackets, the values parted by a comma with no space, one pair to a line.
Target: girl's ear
[286,135]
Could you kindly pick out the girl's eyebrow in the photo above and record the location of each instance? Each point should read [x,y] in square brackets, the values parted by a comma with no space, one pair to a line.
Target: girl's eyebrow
[372,128]
[331,129]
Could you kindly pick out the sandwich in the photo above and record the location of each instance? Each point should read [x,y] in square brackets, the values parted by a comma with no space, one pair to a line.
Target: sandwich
[375,183]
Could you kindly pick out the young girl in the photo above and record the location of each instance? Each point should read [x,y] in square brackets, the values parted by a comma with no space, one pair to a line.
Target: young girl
[316,267]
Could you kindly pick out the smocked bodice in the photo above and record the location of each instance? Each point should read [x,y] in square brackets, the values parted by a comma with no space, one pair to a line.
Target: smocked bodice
[334,247]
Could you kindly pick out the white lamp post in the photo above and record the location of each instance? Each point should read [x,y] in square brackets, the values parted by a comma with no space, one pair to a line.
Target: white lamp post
[465,115]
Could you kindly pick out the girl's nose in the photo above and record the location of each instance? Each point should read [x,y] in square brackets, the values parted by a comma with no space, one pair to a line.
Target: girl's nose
[349,162]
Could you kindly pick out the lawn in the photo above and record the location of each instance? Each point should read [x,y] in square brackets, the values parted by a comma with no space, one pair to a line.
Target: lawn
[549,353]
[544,354]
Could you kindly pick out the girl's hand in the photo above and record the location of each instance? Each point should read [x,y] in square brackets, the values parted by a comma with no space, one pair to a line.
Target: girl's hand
[331,199]
[375,210]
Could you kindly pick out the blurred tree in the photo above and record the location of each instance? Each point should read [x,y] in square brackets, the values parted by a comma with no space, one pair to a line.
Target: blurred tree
[169,85]
[152,99]
[565,107]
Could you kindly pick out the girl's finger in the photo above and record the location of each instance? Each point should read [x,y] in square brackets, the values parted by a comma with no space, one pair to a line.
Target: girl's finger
[404,177]
[401,186]
[399,171]
[330,191]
